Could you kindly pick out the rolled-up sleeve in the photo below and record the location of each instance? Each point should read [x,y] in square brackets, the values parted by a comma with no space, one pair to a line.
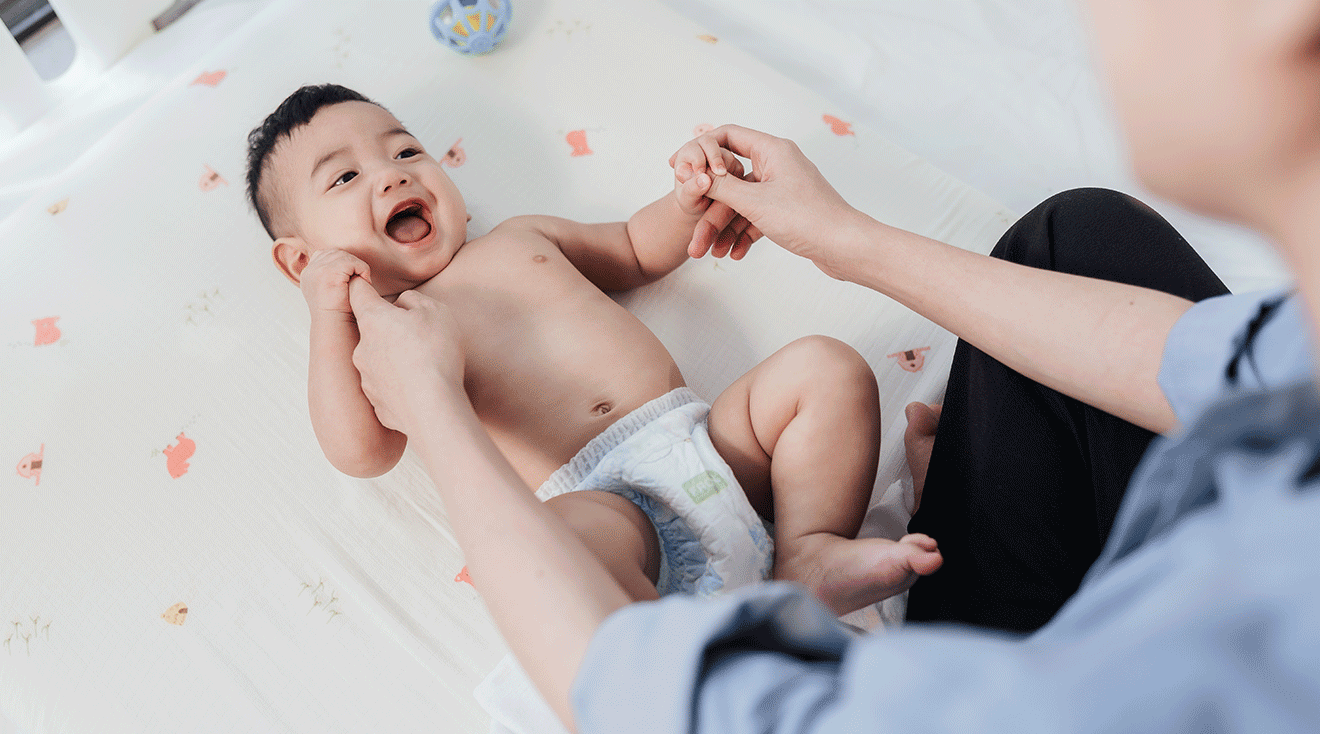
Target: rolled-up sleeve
[771,658]
[1204,341]
[1153,646]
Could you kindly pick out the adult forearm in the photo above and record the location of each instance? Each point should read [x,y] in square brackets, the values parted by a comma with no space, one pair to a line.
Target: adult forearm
[521,557]
[1094,340]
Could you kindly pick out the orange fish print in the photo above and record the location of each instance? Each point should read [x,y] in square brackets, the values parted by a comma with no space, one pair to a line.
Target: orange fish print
[30,466]
[176,456]
[578,139]
[839,127]
[47,331]
[463,577]
[911,360]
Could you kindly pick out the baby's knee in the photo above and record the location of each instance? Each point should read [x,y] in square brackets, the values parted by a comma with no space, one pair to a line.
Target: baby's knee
[829,363]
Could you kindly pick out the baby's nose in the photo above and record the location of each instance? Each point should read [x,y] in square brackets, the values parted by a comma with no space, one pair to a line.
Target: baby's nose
[393,180]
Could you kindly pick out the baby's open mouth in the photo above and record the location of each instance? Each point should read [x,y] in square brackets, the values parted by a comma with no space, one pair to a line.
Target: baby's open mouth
[409,223]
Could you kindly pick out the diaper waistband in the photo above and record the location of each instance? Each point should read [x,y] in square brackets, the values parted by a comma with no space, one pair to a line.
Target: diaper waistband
[567,477]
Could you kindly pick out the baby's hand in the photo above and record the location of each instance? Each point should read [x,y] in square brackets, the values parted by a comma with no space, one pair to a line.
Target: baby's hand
[721,231]
[324,281]
[693,165]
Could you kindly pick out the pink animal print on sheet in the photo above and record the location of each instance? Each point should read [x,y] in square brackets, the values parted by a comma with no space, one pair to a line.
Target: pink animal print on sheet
[176,456]
[837,126]
[47,331]
[176,614]
[210,179]
[210,78]
[578,139]
[911,360]
[30,466]
[463,577]
[455,157]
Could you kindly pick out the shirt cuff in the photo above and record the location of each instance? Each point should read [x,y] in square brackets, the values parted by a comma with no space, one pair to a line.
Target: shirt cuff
[650,658]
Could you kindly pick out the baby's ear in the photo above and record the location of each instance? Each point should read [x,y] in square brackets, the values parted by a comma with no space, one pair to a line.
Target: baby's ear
[290,256]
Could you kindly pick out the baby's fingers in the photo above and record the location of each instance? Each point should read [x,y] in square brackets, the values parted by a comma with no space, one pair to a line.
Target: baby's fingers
[692,194]
[698,155]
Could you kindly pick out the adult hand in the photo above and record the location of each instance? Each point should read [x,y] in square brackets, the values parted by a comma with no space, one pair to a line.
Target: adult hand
[408,353]
[785,197]
[720,231]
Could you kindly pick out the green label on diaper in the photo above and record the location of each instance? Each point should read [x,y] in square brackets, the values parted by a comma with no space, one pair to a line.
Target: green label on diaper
[704,485]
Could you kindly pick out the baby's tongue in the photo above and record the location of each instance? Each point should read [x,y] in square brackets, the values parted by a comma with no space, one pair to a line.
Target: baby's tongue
[407,228]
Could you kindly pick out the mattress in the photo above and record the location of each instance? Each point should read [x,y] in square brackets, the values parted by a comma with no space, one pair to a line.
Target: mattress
[175,552]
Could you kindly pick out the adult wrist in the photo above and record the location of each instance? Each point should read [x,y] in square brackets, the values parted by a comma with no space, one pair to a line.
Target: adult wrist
[852,246]
[436,403]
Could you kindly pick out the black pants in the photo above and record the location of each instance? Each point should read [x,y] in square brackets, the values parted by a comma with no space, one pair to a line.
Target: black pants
[1024,482]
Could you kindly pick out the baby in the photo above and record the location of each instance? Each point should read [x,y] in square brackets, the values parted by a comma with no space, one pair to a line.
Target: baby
[582,399]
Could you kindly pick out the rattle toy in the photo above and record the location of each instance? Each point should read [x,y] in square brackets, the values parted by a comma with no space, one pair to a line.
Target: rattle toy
[470,26]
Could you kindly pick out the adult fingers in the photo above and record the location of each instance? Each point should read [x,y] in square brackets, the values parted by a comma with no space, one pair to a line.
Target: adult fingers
[703,236]
[733,191]
[363,298]
[408,300]
[714,154]
[744,141]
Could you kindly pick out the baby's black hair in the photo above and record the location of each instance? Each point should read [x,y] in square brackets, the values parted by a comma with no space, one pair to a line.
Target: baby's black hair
[296,110]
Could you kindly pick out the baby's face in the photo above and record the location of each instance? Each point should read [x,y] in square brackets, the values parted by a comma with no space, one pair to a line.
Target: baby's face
[353,179]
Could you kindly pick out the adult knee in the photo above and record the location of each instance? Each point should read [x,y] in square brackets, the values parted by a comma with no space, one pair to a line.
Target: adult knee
[1067,231]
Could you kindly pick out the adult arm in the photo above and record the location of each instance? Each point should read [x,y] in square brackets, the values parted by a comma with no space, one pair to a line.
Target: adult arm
[521,556]
[1097,341]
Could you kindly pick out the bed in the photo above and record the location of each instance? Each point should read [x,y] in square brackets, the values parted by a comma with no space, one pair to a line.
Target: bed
[175,552]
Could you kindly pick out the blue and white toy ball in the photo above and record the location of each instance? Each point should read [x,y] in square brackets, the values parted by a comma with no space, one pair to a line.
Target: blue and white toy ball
[470,26]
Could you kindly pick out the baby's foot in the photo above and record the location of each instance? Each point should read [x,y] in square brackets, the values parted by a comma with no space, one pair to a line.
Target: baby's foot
[849,574]
[919,439]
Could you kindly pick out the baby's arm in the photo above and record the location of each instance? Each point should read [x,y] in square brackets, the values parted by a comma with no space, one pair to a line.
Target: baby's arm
[622,255]
[345,423]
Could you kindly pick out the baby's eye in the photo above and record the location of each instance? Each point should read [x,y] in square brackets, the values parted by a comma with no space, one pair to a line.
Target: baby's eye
[408,153]
[348,176]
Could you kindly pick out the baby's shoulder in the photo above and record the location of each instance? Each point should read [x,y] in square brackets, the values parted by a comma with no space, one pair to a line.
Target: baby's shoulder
[526,226]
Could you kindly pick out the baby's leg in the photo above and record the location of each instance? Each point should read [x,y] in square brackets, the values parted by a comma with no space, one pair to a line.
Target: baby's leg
[801,432]
[620,535]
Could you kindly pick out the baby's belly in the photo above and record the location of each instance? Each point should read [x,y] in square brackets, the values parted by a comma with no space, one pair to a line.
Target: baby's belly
[543,408]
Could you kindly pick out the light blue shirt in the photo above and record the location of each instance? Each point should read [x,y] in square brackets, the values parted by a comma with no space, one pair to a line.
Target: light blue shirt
[1201,615]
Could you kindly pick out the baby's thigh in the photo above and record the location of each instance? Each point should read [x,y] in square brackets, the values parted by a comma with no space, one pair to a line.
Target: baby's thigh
[810,374]
[618,533]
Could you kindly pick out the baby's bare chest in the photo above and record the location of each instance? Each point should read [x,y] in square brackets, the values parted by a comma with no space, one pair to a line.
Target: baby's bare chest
[530,322]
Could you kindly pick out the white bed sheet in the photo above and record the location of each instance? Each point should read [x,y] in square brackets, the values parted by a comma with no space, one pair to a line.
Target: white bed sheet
[154,363]
[997,92]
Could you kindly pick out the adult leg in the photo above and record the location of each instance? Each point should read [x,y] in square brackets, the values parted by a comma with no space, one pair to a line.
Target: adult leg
[801,432]
[1024,482]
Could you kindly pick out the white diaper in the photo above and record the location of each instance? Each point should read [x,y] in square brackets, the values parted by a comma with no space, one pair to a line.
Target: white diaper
[660,458]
